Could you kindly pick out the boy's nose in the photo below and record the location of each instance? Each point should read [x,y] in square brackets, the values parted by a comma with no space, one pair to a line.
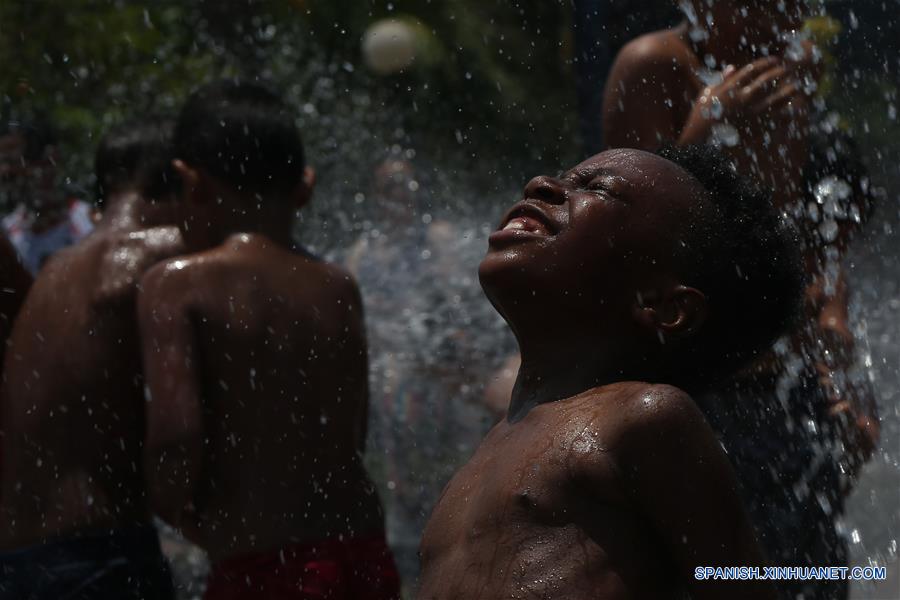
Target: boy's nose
[545,189]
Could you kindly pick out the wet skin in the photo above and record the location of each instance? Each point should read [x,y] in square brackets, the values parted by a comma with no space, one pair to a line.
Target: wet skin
[593,486]
[256,364]
[73,401]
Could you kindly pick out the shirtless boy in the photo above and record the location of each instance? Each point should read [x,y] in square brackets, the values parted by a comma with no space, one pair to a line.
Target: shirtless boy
[257,370]
[74,521]
[663,88]
[628,268]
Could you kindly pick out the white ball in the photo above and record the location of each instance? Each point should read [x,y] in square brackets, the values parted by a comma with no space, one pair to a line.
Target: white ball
[389,46]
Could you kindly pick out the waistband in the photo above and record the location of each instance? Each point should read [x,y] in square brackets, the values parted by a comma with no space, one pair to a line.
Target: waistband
[89,544]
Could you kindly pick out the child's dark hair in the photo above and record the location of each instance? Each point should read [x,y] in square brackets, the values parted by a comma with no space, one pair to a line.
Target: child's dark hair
[745,256]
[136,155]
[243,134]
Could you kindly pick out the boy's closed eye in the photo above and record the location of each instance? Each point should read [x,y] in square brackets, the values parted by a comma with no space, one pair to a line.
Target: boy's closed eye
[597,186]
[605,186]
[600,183]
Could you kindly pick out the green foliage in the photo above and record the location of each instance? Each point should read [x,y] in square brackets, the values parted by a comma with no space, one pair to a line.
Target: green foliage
[87,65]
[492,73]
[496,73]
[494,82]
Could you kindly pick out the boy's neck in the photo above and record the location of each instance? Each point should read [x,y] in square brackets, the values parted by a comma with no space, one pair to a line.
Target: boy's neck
[276,232]
[547,375]
[235,218]
[124,211]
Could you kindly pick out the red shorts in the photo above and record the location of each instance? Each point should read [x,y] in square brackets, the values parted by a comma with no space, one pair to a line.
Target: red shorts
[349,569]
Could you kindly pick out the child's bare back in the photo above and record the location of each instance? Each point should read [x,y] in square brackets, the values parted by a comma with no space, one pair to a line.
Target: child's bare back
[73,397]
[256,366]
[557,504]
[277,343]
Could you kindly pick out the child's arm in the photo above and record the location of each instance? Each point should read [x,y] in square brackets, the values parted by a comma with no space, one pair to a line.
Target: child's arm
[647,78]
[173,447]
[851,403]
[678,475]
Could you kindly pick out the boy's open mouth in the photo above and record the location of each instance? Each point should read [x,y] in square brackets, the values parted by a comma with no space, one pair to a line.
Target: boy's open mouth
[525,223]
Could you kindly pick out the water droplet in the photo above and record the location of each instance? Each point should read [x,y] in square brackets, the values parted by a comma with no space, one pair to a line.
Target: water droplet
[724,134]
[829,230]
[716,110]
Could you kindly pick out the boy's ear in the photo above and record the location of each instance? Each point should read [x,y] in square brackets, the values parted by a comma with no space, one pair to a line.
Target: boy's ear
[304,190]
[190,180]
[677,312]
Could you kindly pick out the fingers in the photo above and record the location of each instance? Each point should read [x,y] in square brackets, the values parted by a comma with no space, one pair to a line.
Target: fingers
[748,72]
[782,96]
[763,85]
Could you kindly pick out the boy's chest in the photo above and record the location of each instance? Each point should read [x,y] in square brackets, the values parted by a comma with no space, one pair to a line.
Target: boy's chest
[527,480]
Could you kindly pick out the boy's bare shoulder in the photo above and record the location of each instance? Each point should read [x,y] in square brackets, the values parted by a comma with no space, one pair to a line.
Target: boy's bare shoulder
[111,263]
[334,273]
[125,256]
[171,275]
[333,281]
[657,56]
[634,395]
[665,45]
[344,281]
[622,421]
[174,277]
[640,426]
[632,408]
[193,264]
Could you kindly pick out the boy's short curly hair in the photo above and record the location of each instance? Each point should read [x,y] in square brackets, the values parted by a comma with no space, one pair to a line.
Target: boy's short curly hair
[745,257]
[244,134]
[136,154]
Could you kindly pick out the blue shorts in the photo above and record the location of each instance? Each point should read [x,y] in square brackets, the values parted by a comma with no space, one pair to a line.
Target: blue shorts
[123,564]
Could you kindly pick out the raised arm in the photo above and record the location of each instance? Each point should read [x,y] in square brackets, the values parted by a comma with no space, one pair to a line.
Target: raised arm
[851,399]
[173,451]
[641,104]
[678,475]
